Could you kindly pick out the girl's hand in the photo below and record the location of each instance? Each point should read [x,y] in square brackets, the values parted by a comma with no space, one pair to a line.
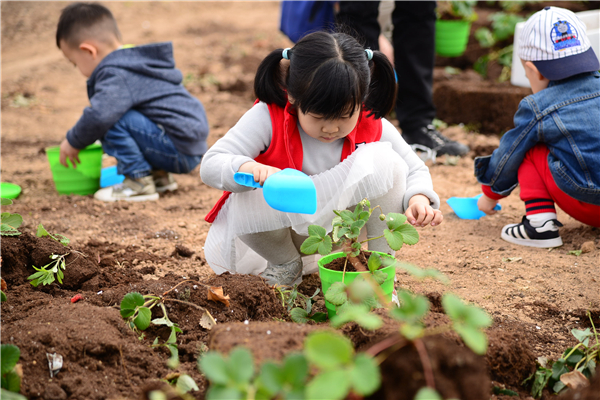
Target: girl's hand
[260,171]
[420,212]
[70,152]
[487,205]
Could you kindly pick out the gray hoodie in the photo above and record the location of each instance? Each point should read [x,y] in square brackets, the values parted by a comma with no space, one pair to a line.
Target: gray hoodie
[144,79]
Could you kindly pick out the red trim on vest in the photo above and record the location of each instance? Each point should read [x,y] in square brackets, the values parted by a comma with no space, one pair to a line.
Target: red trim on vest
[285,150]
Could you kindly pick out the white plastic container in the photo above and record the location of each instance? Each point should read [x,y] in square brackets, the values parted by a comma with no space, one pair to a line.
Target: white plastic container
[591,19]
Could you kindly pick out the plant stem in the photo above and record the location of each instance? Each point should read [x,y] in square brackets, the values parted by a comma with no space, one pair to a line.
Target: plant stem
[188,303]
[366,240]
[344,272]
[422,350]
[347,248]
[384,344]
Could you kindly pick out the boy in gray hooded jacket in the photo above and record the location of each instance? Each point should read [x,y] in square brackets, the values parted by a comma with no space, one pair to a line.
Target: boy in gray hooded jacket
[139,110]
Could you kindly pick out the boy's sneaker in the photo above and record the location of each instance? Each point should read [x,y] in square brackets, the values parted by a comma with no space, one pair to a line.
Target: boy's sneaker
[141,189]
[430,137]
[524,234]
[288,274]
[163,181]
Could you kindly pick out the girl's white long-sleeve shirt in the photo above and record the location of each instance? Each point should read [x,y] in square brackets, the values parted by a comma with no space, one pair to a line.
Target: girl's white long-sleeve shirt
[252,134]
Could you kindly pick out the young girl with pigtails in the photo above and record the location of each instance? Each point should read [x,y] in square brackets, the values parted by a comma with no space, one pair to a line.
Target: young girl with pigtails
[319,109]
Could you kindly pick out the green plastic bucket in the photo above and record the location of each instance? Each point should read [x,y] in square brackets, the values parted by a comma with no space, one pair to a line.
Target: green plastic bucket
[85,179]
[329,277]
[451,37]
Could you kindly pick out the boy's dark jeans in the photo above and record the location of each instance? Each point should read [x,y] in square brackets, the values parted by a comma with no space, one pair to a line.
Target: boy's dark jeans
[139,145]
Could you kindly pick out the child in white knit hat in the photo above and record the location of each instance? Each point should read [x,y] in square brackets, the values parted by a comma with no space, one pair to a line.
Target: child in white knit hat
[553,153]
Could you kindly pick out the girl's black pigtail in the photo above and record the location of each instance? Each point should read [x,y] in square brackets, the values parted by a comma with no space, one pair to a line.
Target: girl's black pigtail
[269,82]
[383,87]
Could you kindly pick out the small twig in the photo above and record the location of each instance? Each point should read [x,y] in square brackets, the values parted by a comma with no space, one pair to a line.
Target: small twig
[123,364]
[422,350]
[344,272]
[384,344]
[188,303]
[186,281]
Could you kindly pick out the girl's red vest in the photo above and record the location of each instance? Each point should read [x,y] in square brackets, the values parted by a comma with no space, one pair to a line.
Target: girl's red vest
[285,150]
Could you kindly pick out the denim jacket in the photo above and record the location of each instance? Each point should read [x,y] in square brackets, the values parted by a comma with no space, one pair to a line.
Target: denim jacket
[566,118]
[142,78]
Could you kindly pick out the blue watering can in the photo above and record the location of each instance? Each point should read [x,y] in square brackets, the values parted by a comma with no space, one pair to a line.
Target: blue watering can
[466,207]
[288,190]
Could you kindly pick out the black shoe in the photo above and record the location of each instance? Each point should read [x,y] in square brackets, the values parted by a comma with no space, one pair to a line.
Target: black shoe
[430,137]
[526,235]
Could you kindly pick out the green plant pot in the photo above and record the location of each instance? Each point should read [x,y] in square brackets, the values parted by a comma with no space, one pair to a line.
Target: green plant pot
[329,277]
[85,179]
[451,37]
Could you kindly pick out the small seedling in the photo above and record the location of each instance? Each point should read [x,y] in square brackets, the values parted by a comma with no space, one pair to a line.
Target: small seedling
[11,372]
[41,232]
[49,272]
[575,367]
[9,223]
[303,313]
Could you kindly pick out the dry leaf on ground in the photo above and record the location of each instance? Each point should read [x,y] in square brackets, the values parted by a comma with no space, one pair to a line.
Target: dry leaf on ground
[215,293]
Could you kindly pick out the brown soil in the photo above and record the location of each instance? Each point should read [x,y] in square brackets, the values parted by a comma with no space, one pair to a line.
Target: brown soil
[535,297]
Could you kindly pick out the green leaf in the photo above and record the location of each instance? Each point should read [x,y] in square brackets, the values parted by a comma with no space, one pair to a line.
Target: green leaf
[328,350]
[271,378]
[41,231]
[395,220]
[11,381]
[409,234]
[358,313]
[2,296]
[142,321]
[506,392]
[365,376]
[380,277]
[299,315]
[473,338]
[412,307]
[224,393]
[374,262]
[7,395]
[185,383]
[241,365]
[411,331]
[427,393]
[311,245]
[130,302]
[9,354]
[319,317]
[394,239]
[330,385]
[582,336]
[325,246]
[5,202]
[214,367]
[295,370]
[421,273]
[316,230]
[484,37]
[559,368]
[575,252]
[11,220]
[336,294]
[173,361]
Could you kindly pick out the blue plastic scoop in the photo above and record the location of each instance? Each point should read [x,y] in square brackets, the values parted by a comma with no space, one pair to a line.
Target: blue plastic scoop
[288,190]
[466,207]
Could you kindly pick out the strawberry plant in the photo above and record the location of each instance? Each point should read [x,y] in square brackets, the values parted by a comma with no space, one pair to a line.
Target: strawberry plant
[573,369]
[9,223]
[346,230]
[303,313]
[328,368]
[11,372]
[49,272]
[41,232]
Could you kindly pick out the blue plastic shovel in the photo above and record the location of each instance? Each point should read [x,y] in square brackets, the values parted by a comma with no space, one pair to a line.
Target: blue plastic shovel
[466,207]
[288,190]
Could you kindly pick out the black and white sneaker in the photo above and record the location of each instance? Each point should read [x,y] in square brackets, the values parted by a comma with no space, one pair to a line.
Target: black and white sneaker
[524,234]
[430,137]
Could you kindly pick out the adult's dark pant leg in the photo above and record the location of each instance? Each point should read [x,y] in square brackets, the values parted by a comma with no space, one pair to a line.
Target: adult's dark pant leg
[359,19]
[414,58]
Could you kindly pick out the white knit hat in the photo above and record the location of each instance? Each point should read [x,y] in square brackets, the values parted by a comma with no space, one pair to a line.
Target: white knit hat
[555,40]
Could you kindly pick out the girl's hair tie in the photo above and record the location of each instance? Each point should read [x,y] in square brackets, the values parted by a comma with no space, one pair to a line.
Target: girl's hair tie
[369,54]
[285,54]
